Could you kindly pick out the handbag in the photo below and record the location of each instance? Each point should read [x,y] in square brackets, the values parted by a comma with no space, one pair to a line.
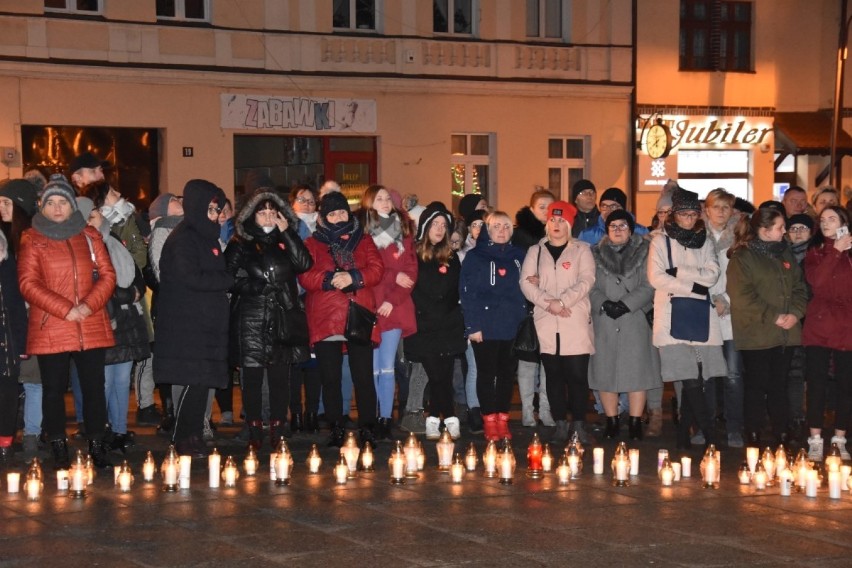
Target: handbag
[292,326]
[359,324]
[690,317]
[525,345]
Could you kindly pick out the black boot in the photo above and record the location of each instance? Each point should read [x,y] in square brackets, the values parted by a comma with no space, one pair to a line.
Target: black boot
[367,434]
[383,429]
[192,446]
[613,425]
[635,426]
[474,420]
[59,449]
[98,450]
[296,422]
[338,435]
[255,432]
[168,422]
[277,429]
[311,423]
[6,454]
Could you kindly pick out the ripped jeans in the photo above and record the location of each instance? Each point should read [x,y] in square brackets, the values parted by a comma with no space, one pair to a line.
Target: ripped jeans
[384,359]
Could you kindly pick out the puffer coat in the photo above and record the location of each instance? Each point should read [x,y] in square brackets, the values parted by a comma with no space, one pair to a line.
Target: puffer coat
[54,276]
[264,266]
[829,273]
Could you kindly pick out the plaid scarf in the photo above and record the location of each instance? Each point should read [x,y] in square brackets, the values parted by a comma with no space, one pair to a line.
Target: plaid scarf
[386,231]
[342,239]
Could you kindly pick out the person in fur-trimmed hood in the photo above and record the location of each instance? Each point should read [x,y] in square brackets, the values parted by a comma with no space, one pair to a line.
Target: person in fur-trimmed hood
[264,257]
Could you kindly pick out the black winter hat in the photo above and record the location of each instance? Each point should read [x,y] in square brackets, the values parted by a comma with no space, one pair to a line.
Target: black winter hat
[581,185]
[429,214]
[468,204]
[333,201]
[621,214]
[86,160]
[22,193]
[685,200]
[743,206]
[478,215]
[801,219]
[614,194]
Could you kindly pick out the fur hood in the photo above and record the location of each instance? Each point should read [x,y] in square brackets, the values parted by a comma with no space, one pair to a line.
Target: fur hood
[526,221]
[631,258]
[247,211]
[726,237]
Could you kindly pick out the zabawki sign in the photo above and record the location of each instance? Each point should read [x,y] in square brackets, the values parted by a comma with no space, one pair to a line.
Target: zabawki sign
[298,114]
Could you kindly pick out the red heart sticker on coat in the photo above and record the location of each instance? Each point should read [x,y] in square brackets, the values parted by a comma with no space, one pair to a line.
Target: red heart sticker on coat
[281,246]
[501,271]
[396,255]
[566,265]
[787,265]
[215,251]
[442,269]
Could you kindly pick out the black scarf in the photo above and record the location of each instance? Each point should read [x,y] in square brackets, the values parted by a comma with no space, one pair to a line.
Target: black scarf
[770,249]
[342,239]
[74,225]
[687,238]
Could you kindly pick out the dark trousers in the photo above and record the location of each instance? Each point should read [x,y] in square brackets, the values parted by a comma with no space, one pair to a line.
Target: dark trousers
[278,377]
[305,374]
[818,360]
[330,359]
[54,370]
[190,408]
[439,371]
[225,396]
[9,393]
[567,373]
[495,374]
[765,388]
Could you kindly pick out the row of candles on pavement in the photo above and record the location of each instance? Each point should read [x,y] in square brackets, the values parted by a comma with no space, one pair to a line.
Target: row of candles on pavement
[406,460]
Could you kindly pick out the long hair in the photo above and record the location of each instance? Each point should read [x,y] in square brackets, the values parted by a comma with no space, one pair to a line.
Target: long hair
[369,217]
[818,238]
[15,228]
[746,229]
[441,252]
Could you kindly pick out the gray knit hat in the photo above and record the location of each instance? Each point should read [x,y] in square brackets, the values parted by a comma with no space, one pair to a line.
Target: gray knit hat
[58,185]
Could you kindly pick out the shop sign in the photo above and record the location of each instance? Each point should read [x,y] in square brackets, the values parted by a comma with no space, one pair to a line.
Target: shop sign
[696,131]
[298,114]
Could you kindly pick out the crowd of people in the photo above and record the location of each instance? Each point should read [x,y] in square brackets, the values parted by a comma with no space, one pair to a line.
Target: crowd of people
[308,302]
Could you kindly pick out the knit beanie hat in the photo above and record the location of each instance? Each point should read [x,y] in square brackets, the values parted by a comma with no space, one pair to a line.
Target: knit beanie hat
[85,206]
[22,193]
[685,200]
[581,185]
[333,201]
[160,206]
[562,209]
[615,194]
[429,214]
[86,160]
[801,219]
[618,215]
[468,204]
[58,185]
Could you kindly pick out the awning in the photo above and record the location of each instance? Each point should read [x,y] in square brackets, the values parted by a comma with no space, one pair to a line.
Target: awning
[808,133]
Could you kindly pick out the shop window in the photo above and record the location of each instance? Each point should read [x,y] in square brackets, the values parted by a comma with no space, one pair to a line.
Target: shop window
[566,163]
[471,167]
[453,16]
[715,35]
[354,15]
[74,6]
[704,170]
[545,19]
[189,10]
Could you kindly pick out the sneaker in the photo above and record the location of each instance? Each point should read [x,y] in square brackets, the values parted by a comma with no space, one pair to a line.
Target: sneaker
[815,448]
[453,427]
[413,421]
[735,440]
[148,416]
[227,418]
[433,431]
[841,445]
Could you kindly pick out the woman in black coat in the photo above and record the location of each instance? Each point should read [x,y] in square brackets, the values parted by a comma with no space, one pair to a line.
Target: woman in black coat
[264,257]
[192,315]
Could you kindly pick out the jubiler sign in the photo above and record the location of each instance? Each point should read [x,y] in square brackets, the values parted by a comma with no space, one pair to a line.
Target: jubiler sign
[298,114]
[699,130]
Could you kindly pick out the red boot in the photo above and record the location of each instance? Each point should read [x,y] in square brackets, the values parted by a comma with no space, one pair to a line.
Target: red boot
[503,425]
[489,427]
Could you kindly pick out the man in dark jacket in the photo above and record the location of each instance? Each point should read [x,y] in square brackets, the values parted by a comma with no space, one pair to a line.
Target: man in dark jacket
[584,197]
[192,324]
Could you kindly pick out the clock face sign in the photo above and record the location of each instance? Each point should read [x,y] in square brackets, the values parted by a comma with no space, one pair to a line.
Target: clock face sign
[658,141]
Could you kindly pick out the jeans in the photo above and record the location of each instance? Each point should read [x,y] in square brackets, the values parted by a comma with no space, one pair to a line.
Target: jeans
[470,380]
[54,380]
[32,409]
[384,358]
[765,387]
[818,360]
[117,393]
[733,384]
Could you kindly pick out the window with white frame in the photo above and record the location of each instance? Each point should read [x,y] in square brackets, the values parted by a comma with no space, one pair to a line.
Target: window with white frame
[453,16]
[190,10]
[566,163]
[471,170]
[74,6]
[545,19]
[354,14]
[704,170]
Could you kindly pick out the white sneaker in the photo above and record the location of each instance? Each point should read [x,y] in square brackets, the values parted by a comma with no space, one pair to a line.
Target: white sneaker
[841,445]
[433,431]
[453,427]
[815,449]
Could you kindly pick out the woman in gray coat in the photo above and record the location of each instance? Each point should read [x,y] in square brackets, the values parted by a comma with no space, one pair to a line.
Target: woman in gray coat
[624,359]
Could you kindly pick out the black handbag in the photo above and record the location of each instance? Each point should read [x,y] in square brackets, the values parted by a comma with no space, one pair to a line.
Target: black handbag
[359,324]
[292,326]
[525,345]
[690,317]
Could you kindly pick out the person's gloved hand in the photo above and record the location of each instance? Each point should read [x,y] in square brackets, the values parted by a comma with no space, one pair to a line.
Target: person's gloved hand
[612,309]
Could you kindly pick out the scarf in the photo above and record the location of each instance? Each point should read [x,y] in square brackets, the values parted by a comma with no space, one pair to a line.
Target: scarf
[342,239]
[122,262]
[387,230]
[800,249]
[310,220]
[769,249]
[74,225]
[169,222]
[118,213]
[686,238]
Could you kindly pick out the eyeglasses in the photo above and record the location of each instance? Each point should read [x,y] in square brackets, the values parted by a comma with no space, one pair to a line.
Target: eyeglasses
[663,212]
[214,209]
[455,242]
[587,193]
[476,224]
[687,214]
[612,207]
[618,227]
[305,201]
[798,229]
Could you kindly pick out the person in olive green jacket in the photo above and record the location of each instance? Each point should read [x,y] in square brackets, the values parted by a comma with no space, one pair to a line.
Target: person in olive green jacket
[768,299]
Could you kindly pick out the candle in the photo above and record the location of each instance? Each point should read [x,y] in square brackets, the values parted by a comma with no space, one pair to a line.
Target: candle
[621,470]
[834,485]
[506,466]
[470,458]
[229,473]
[845,470]
[598,461]
[667,476]
[79,479]
[367,458]
[341,471]
[457,470]
[710,473]
[170,474]
[760,480]
[535,469]
[214,462]
[90,470]
[785,480]
[421,457]
[686,467]
[314,460]
[633,454]
[563,472]
[489,460]
[13,481]
[744,474]
[185,465]
[574,465]
[282,467]
[751,457]
[661,455]
[546,459]
[149,468]
[62,480]
[33,489]
[811,483]
[398,468]
[125,478]
[676,469]
[250,464]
